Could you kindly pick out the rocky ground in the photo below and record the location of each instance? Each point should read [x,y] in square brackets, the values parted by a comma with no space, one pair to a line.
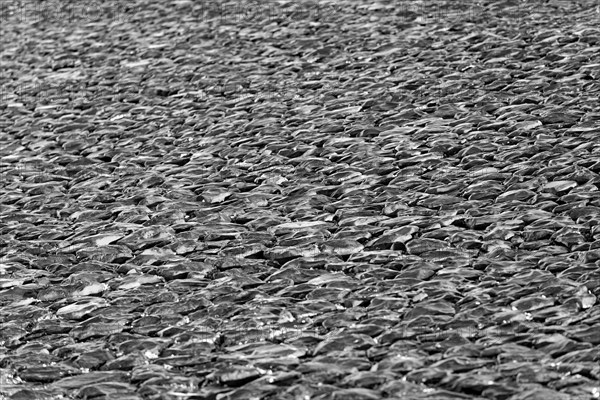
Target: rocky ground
[300,200]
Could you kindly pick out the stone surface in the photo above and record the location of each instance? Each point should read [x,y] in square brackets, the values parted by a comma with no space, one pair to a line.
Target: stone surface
[291,200]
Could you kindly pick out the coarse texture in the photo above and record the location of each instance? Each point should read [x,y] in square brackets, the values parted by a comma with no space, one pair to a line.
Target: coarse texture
[300,200]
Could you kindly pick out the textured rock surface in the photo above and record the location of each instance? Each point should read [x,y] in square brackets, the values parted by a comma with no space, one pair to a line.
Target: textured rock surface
[300,200]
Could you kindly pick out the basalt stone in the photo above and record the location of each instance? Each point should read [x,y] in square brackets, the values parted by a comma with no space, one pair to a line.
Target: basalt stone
[81,308]
[108,390]
[235,377]
[341,247]
[282,253]
[107,254]
[46,374]
[91,378]
[149,236]
[516,195]
[420,246]
[533,303]
[586,334]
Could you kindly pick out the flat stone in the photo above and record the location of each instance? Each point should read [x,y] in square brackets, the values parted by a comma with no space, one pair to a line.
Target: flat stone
[559,187]
[90,378]
[81,308]
[420,246]
[516,195]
